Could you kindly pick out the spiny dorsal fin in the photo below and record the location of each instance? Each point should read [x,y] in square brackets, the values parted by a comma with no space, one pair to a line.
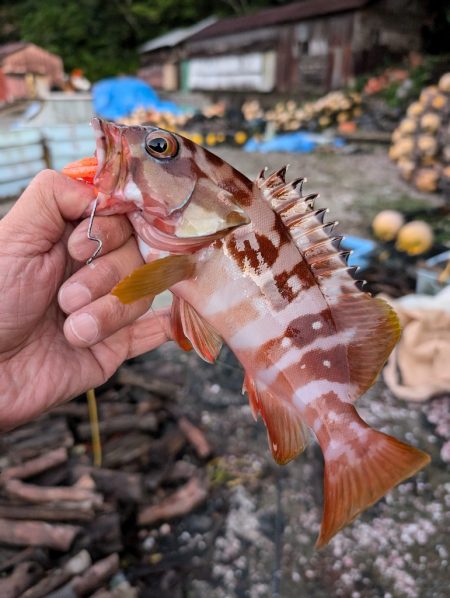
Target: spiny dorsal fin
[273,181]
[307,226]
[376,324]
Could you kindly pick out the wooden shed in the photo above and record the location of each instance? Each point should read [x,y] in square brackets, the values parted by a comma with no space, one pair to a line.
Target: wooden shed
[162,57]
[305,47]
[28,71]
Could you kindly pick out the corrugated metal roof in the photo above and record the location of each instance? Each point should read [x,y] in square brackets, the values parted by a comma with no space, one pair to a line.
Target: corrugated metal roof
[6,49]
[175,37]
[297,11]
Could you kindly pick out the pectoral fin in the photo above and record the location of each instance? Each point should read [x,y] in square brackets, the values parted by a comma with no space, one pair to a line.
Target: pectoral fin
[154,278]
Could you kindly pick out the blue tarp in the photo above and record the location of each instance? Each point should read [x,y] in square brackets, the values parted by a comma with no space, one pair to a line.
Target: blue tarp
[119,97]
[298,142]
[361,250]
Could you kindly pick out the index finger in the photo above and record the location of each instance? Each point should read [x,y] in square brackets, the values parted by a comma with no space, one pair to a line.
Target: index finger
[38,218]
[114,231]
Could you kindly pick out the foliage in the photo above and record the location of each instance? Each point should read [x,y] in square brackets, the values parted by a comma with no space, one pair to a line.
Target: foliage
[399,94]
[102,36]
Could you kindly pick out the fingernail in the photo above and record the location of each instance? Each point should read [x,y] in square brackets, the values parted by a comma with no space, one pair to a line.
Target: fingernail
[85,328]
[74,296]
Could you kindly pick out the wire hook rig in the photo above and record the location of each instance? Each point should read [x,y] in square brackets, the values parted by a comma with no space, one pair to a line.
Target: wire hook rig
[92,237]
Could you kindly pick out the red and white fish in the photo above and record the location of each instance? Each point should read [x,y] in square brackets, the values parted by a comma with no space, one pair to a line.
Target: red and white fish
[254,265]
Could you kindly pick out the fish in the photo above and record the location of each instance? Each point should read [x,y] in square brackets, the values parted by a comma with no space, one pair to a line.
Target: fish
[254,265]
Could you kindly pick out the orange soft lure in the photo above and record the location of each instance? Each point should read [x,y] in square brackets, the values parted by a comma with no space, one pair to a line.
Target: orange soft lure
[82,170]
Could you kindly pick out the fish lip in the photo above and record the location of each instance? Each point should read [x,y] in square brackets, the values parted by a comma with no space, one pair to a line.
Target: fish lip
[111,173]
[110,151]
[100,141]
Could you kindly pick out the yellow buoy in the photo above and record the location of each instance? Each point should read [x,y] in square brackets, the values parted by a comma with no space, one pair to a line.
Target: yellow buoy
[415,238]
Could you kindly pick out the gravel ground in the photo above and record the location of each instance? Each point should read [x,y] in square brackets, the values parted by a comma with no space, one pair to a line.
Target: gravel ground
[270,515]
[257,530]
[254,537]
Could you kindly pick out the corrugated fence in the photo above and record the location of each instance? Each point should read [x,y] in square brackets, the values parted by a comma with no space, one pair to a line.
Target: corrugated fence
[25,152]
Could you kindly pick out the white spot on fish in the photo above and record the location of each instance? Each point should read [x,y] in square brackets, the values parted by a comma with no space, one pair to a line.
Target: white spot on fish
[295,283]
[333,417]
[360,431]
[327,363]
[132,193]
[294,355]
[336,449]
[317,425]
[144,249]
[317,325]
[286,342]
[275,446]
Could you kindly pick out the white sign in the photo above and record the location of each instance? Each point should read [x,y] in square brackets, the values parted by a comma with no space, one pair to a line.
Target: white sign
[246,72]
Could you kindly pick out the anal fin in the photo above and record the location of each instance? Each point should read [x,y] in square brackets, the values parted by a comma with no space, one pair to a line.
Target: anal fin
[286,432]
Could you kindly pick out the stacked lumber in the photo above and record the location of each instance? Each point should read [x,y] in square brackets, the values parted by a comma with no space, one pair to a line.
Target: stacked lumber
[67,529]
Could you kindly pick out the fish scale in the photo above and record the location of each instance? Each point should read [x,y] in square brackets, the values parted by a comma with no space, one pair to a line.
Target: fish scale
[253,264]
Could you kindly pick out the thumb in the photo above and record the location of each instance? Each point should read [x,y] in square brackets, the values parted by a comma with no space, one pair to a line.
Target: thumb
[38,218]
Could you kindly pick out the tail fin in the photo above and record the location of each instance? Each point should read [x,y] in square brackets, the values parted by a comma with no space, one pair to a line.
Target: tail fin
[361,465]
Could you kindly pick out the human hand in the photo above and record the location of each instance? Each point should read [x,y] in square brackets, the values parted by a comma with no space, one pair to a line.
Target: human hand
[44,357]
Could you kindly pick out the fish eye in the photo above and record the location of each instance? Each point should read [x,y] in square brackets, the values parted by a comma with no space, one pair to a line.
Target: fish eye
[161,145]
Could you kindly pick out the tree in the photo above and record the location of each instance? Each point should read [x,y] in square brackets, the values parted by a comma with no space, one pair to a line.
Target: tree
[102,36]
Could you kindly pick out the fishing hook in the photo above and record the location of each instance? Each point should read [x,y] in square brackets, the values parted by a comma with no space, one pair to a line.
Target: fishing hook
[92,237]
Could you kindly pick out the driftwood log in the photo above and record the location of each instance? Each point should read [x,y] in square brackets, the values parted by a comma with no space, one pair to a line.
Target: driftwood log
[184,500]
[121,485]
[41,494]
[35,466]
[23,576]
[80,511]
[90,580]
[37,533]
[58,577]
[196,437]
[65,525]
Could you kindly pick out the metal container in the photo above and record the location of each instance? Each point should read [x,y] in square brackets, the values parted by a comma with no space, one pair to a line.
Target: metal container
[67,143]
[21,158]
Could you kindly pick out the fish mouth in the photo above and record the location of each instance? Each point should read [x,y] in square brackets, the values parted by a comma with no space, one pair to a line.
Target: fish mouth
[113,153]
[110,153]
